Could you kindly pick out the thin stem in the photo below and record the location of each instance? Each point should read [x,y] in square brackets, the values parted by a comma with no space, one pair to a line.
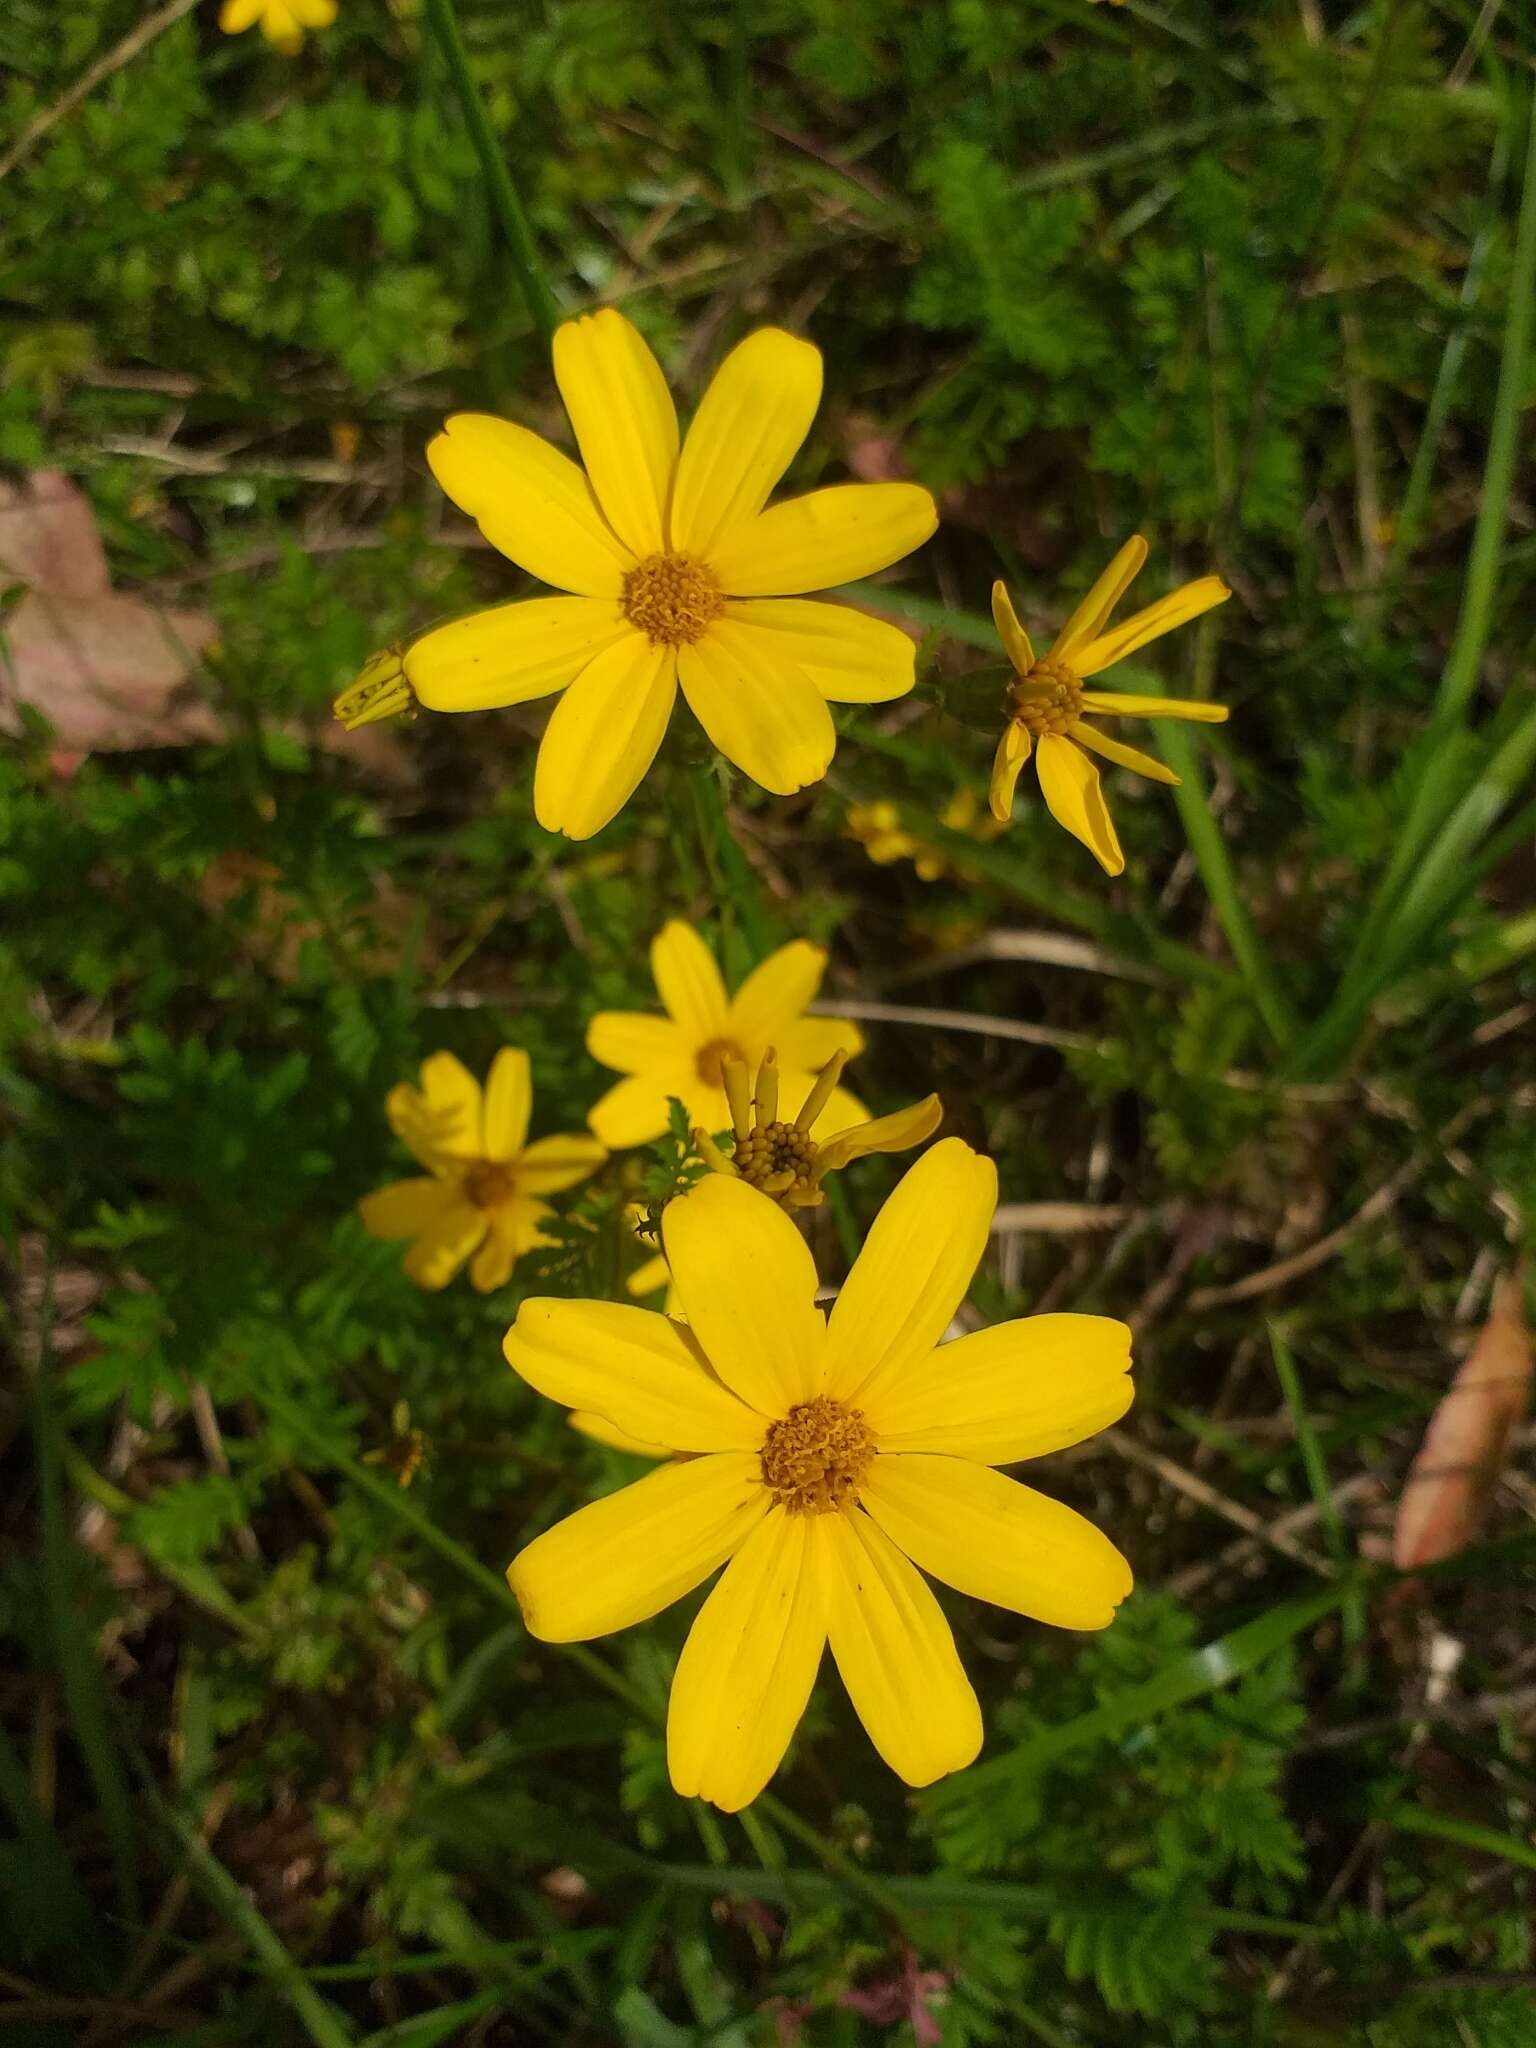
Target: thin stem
[542,310]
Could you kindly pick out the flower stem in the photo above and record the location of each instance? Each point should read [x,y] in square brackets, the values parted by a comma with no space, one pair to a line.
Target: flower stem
[542,310]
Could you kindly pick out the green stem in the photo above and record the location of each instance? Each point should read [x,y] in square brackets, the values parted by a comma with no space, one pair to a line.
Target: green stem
[542,310]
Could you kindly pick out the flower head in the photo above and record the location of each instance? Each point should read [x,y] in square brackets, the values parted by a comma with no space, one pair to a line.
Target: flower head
[1046,703]
[684,1053]
[831,1461]
[879,830]
[283,22]
[482,1193]
[678,575]
[780,1158]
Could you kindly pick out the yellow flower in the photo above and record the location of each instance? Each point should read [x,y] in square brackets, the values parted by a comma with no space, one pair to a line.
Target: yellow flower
[683,1054]
[879,829]
[679,575]
[782,1159]
[484,1181]
[283,22]
[1046,703]
[829,1459]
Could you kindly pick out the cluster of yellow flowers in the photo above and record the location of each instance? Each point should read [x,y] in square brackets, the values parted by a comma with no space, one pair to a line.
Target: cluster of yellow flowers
[826,1460]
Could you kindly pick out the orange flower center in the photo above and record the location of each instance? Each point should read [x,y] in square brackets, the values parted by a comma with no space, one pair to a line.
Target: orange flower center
[1048,699]
[671,599]
[709,1061]
[488,1183]
[814,1459]
[773,1150]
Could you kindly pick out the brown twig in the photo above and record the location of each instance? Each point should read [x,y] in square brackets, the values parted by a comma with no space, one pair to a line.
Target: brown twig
[120,54]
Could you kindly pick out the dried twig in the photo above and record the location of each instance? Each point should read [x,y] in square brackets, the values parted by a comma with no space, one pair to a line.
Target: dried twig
[961,1020]
[120,54]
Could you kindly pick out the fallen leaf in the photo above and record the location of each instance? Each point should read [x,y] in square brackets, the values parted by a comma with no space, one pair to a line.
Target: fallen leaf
[1467,1444]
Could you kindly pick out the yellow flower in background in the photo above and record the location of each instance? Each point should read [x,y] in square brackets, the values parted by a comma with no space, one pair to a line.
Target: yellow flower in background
[780,1158]
[830,1461]
[482,1195]
[678,574]
[283,22]
[1046,704]
[683,1054]
[879,830]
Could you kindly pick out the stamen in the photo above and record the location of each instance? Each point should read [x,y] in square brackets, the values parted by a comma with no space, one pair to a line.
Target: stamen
[821,1091]
[814,1460]
[671,599]
[488,1183]
[1047,699]
[381,691]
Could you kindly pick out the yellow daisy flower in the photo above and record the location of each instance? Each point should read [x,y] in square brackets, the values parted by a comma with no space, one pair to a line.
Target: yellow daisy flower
[678,574]
[481,1196]
[832,1460]
[283,22]
[683,1054]
[1045,705]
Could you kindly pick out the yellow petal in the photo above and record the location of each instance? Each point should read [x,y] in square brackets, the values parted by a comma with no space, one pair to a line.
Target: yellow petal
[626,427]
[649,1278]
[314,13]
[756,412]
[511,653]
[644,1373]
[1122,704]
[635,1110]
[235,16]
[550,1164]
[850,657]
[492,1265]
[688,982]
[405,1207]
[805,1046]
[913,1271]
[985,1534]
[531,502]
[895,1652]
[1089,618]
[1122,756]
[522,1220]
[1015,1391]
[1070,785]
[603,736]
[508,1104]
[824,538]
[631,1042]
[773,996]
[897,1132]
[747,1284]
[747,1667]
[1013,750]
[841,1113]
[765,715]
[1176,609]
[438,1251]
[1013,636]
[628,1556]
[442,1119]
[602,1431]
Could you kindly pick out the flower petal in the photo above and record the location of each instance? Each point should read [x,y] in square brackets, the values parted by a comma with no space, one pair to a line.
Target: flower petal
[840,1113]
[912,1273]
[897,1132]
[747,1283]
[850,657]
[1176,609]
[824,538]
[511,653]
[1013,750]
[895,1652]
[765,715]
[1070,785]
[1013,636]
[550,1164]
[235,16]
[406,1207]
[602,1431]
[774,994]
[1015,1391]
[756,412]
[492,1265]
[628,1556]
[747,1667]
[1124,704]
[530,501]
[314,13]
[1087,622]
[603,736]
[644,1373]
[626,426]
[508,1104]
[438,1251]
[688,982]
[1122,756]
[442,1119]
[806,1045]
[985,1534]
[631,1042]
[635,1109]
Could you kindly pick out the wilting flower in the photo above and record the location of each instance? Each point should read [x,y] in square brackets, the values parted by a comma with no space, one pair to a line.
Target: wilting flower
[283,22]
[683,1054]
[482,1193]
[828,1459]
[879,829]
[1046,703]
[679,575]
[782,1159]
